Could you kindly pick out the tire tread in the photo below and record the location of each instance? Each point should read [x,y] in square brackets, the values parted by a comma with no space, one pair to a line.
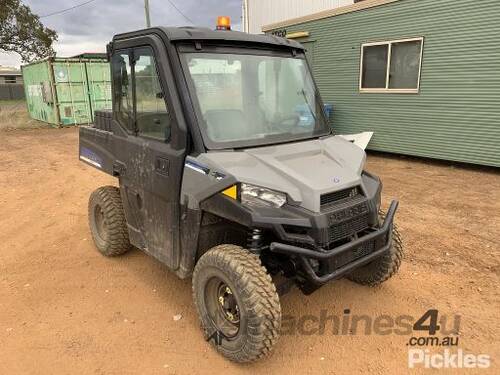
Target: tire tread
[258,293]
[117,241]
[383,268]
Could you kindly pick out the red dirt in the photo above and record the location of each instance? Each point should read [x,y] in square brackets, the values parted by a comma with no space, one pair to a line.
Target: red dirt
[64,308]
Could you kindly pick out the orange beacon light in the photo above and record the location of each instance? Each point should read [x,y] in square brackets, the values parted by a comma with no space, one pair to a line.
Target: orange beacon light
[223,23]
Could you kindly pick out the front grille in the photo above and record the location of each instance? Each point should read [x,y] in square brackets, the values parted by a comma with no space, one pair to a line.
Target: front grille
[337,196]
[347,213]
[363,250]
[347,228]
[350,256]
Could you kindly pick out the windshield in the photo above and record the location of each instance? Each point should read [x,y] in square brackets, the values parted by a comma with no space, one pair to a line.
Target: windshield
[251,100]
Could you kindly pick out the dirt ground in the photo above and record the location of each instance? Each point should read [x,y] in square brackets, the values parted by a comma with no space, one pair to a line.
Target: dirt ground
[65,309]
[14,115]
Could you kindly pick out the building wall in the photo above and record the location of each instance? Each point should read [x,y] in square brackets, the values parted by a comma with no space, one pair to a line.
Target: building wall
[455,115]
[264,12]
[11,91]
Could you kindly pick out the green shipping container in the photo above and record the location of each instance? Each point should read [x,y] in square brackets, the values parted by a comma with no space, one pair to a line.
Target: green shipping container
[67,91]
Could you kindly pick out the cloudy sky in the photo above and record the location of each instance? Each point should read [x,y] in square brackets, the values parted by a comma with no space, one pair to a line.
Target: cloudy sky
[90,27]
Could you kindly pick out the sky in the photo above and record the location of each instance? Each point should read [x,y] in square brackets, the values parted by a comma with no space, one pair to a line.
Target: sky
[90,27]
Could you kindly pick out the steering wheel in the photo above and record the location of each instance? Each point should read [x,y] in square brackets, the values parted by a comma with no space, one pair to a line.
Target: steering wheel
[280,124]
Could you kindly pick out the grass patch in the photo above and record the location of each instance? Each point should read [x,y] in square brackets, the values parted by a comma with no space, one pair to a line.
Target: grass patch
[14,115]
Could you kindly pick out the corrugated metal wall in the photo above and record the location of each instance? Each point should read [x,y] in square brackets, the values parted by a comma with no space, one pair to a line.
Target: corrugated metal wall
[82,86]
[456,115]
[72,92]
[264,12]
[38,93]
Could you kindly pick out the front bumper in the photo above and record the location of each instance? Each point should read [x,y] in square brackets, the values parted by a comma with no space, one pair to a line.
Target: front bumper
[304,255]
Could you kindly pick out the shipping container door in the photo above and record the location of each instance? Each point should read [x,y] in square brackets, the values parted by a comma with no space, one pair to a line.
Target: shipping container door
[72,92]
[38,92]
[99,85]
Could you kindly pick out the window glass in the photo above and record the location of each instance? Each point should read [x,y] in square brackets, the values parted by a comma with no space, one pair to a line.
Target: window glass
[217,83]
[374,66]
[123,89]
[152,116]
[405,65]
[286,89]
[247,100]
[10,79]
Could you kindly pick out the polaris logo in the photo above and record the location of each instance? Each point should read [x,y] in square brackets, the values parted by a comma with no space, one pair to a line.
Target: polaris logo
[347,214]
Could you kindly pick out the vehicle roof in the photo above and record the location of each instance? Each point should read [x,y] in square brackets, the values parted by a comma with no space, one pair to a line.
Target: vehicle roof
[188,33]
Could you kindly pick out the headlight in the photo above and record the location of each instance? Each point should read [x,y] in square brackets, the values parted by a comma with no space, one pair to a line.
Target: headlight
[252,195]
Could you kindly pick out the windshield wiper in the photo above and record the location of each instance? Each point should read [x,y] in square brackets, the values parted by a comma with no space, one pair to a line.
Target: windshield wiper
[304,95]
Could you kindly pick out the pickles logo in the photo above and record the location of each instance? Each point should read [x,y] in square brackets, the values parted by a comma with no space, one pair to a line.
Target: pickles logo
[425,359]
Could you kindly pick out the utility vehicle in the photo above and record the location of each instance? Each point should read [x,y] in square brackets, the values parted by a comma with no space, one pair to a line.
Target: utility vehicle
[229,173]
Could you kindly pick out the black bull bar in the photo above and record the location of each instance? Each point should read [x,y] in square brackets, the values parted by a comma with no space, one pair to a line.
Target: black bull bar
[321,254]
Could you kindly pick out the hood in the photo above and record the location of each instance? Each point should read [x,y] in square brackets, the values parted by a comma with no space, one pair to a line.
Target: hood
[304,170]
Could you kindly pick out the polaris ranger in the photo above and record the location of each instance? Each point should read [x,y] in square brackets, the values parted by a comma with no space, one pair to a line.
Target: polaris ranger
[228,172]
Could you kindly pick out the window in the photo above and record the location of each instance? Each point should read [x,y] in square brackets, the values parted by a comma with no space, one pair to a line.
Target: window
[10,79]
[136,80]
[218,83]
[122,78]
[392,66]
[152,116]
[254,99]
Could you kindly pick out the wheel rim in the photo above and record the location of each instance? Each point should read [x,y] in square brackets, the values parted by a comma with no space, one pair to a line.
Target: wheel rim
[100,223]
[222,307]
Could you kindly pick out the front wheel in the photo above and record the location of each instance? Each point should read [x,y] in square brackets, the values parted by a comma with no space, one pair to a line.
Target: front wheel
[237,303]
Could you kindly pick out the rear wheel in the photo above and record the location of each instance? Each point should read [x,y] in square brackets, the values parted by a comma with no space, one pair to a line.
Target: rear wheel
[107,222]
[237,303]
[383,268]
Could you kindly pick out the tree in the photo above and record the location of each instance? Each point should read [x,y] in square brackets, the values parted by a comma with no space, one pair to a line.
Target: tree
[22,32]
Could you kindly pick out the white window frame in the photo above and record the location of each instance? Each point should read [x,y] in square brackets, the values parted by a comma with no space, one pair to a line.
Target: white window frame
[389,43]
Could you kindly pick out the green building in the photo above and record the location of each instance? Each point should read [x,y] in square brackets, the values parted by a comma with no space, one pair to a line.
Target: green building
[67,91]
[424,75]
